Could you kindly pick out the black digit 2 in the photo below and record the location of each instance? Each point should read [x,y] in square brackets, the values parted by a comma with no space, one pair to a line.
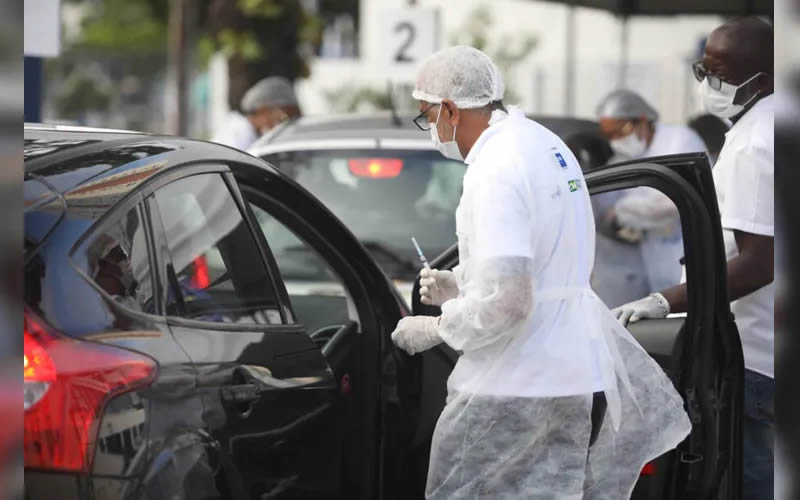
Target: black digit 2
[401,55]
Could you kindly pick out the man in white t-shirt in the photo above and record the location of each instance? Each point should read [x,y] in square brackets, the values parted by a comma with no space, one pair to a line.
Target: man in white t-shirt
[266,104]
[736,75]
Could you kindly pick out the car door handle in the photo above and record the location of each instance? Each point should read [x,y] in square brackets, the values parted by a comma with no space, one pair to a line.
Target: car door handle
[238,394]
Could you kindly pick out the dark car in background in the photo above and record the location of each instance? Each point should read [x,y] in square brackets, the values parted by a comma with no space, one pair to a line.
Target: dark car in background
[383,178]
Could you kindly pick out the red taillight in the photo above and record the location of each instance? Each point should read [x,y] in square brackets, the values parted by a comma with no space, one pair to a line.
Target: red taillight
[376,167]
[39,372]
[649,469]
[67,383]
[200,279]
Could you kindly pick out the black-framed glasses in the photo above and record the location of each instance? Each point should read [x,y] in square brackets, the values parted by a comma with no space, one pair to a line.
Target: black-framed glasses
[421,121]
[701,72]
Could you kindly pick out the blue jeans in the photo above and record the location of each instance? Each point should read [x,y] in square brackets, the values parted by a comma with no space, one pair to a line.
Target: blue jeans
[759,431]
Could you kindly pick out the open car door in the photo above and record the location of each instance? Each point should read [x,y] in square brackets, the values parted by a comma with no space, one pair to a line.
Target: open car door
[700,351]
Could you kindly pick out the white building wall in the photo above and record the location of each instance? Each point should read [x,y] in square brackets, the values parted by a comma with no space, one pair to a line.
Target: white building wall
[659,54]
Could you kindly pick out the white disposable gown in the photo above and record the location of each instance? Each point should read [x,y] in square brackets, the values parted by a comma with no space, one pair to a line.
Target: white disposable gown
[237,132]
[655,214]
[537,342]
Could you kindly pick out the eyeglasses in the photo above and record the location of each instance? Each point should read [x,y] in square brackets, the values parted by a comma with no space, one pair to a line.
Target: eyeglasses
[421,121]
[701,72]
[625,130]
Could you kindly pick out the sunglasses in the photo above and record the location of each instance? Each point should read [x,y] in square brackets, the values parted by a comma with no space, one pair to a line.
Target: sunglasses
[701,73]
[421,121]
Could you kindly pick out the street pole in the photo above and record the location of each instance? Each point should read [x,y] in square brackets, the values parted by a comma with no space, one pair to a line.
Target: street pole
[177,62]
[623,51]
[569,69]
[33,89]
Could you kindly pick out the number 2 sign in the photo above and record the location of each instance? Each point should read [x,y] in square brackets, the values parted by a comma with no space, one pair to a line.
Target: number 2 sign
[409,35]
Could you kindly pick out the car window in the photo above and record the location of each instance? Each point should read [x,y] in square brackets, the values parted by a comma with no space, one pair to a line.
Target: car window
[118,262]
[638,245]
[217,272]
[385,197]
[318,295]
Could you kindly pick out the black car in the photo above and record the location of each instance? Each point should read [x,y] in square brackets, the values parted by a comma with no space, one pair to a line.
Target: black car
[170,353]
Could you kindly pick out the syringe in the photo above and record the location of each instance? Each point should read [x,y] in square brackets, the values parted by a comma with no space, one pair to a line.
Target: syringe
[421,255]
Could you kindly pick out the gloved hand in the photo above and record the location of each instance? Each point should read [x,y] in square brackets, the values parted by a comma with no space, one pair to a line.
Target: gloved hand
[416,334]
[654,306]
[437,287]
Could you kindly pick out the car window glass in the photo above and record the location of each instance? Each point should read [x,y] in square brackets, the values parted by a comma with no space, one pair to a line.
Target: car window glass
[638,245]
[218,271]
[118,262]
[319,297]
[384,197]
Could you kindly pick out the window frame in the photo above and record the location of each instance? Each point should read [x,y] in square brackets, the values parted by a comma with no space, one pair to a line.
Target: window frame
[164,258]
[302,230]
[314,238]
[133,201]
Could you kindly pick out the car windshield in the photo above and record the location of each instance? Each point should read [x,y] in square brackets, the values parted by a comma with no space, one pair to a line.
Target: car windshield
[385,197]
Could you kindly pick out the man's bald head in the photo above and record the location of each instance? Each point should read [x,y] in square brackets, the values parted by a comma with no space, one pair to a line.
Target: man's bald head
[746,43]
[740,49]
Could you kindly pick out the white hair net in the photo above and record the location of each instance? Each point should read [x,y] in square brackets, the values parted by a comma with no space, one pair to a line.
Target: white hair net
[462,74]
[625,103]
[273,91]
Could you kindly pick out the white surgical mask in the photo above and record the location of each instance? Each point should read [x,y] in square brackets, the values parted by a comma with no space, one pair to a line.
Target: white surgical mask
[720,102]
[631,146]
[450,148]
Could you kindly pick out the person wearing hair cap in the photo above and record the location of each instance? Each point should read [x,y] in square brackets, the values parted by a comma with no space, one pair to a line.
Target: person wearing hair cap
[737,82]
[634,131]
[551,397]
[266,104]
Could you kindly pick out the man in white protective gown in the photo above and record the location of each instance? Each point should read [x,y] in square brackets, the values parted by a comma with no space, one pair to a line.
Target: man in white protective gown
[646,252]
[551,397]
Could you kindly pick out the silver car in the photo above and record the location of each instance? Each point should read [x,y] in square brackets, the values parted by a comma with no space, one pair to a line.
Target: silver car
[383,178]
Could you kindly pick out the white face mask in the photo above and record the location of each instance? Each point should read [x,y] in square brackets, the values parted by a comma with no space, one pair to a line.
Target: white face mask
[720,102]
[450,148]
[631,146]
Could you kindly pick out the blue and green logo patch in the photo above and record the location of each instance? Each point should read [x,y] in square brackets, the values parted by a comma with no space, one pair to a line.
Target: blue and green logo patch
[574,185]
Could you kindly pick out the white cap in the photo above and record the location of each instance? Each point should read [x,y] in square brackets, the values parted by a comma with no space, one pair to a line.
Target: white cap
[624,103]
[462,74]
[273,91]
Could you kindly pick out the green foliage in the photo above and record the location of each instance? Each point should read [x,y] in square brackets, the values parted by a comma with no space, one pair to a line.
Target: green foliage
[81,93]
[510,51]
[259,37]
[347,99]
[241,44]
[261,8]
[125,25]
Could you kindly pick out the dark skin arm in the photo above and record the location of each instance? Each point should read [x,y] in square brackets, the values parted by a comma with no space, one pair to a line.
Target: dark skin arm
[752,269]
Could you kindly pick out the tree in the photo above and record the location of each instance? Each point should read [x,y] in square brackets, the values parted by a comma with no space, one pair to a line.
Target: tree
[260,38]
[510,50]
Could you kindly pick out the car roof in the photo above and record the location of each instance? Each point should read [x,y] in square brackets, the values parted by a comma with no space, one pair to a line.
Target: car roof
[380,130]
[96,167]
